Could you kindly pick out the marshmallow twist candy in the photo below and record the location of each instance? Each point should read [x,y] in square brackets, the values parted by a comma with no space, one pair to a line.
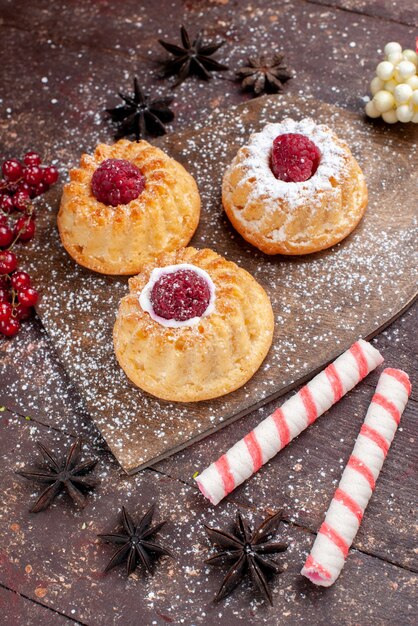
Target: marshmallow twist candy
[287,422]
[335,536]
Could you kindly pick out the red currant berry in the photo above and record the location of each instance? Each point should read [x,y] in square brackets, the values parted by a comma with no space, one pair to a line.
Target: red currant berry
[20,280]
[4,295]
[8,262]
[50,175]
[33,175]
[32,158]
[6,236]
[29,189]
[23,312]
[25,229]
[40,189]
[28,296]
[6,204]
[22,185]
[12,170]
[6,311]
[21,200]
[10,328]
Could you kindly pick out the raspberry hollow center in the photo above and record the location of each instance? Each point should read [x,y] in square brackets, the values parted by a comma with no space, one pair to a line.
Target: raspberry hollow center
[294,158]
[180,295]
[117,181]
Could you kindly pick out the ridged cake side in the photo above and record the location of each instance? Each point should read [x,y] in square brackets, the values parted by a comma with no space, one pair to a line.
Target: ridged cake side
[210,359]
[294,218]
[119,240]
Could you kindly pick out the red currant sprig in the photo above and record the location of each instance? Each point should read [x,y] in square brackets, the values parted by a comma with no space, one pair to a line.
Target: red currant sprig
[17,299]
[21,183]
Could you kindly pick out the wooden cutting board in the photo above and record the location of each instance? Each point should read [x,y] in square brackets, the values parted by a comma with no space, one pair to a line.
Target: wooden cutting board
[322,302]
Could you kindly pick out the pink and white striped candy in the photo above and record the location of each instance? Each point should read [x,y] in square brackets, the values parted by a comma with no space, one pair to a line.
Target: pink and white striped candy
[335,536]
[287,422]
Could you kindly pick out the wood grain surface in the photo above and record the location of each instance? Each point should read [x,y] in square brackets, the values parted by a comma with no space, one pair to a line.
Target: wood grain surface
[88,51]
[66,560]
[322,303]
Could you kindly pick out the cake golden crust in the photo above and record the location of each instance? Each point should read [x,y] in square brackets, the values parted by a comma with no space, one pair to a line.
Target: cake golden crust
[214,357]
[294,218]
[119,240]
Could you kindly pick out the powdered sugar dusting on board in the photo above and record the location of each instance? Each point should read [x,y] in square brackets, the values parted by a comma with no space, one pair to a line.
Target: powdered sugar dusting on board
[321,302]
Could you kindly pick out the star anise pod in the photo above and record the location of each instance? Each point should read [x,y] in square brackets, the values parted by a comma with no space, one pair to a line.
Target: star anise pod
[136,545]
[67,475]
[141,115]
[247,550]
[264,74]
[193,57]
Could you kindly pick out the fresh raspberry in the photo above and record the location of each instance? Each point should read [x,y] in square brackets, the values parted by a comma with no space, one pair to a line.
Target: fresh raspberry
[117,181]
[294,158]
[180,295]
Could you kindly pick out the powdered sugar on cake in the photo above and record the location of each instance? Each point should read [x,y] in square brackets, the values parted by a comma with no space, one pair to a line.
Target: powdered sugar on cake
[265,185]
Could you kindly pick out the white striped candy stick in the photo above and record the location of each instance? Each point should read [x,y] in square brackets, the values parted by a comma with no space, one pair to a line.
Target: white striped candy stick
[330,549]
[287,422]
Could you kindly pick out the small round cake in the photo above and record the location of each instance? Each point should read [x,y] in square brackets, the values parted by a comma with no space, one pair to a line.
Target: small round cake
[295,188]
[126,204]
[193,327]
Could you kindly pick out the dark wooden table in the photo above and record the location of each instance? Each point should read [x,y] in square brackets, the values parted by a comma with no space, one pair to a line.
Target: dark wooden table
[62,64]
